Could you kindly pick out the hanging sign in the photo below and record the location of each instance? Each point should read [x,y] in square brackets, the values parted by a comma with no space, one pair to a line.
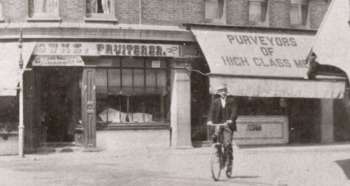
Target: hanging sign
[58,61]
[107,49]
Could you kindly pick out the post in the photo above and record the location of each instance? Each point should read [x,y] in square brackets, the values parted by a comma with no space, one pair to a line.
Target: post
[21,124]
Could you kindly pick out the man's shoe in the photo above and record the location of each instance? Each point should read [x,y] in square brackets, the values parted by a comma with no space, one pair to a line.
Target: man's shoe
[229,171]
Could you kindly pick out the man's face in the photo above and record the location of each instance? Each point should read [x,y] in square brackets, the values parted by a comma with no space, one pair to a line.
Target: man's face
[222,93]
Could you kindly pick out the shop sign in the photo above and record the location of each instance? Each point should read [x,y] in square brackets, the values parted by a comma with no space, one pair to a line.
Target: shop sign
[254,127]
[107,49]
[58,61]
[255,53]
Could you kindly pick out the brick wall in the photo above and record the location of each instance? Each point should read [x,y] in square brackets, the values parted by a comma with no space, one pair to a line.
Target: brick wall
[128,11]
[15,10]
[72,10]
[237,12]
[279,13]
[172,12]
[318,9]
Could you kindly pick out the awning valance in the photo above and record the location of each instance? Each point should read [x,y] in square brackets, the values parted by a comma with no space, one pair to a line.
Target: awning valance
[9,65]
[265,64]
[259,87]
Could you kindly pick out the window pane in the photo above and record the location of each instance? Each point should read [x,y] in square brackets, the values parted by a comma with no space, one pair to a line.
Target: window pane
[139,81]
[261,106]
[295,14]
[101,81]
[103,7]
[162,81]
[299,12]
[143,98]
[45,7]
[114,81]
[211,9]
[151,81]
[127,82]
[257,11]
[112,109]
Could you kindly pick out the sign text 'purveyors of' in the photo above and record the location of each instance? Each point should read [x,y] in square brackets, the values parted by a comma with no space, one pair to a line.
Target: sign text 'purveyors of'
[107,49]
[255,53]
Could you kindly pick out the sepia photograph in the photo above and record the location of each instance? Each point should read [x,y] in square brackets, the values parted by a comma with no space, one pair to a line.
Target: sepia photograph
[174,93]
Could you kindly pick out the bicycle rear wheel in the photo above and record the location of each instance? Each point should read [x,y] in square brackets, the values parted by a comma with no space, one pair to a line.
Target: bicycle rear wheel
[216,163]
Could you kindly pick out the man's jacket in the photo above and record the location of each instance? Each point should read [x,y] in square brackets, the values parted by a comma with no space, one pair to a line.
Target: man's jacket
[219,114]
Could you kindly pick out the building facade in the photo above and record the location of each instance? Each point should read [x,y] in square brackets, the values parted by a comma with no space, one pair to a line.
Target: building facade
[110,73]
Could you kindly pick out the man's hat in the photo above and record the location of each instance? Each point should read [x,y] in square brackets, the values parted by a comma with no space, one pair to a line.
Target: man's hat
[221,88]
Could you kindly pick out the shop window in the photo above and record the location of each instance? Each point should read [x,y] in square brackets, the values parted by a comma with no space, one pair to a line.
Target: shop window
[135,92]
[44,8]
[100,8]
[258,12]
[8,116]
[215,11]
[262,106]
[299,10]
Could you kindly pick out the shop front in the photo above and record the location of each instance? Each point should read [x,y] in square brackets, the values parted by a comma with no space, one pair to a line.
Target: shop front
[266,70]
[109,95]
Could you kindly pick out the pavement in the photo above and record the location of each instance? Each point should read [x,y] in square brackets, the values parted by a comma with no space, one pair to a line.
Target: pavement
[312,165]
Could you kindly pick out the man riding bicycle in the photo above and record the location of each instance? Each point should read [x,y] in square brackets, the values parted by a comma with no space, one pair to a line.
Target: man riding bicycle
[223,109]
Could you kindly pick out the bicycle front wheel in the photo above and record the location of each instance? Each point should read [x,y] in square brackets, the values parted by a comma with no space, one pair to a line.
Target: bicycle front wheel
[216,163]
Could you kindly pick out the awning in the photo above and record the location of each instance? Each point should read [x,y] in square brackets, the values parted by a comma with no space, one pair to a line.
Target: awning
[9,65]
[259,87]
[263,64]
[331,43]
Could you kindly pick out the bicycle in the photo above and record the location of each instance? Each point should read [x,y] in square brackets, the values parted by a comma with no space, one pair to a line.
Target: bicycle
[218,157]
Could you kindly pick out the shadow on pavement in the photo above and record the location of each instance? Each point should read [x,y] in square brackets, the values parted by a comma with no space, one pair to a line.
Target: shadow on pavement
[345,165]
[243,177]
[245,180]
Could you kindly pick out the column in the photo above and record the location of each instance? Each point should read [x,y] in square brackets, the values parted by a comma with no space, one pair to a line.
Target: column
[327,122]
[180,106]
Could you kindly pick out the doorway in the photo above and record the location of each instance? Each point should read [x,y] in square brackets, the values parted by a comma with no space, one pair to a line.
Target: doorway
[304,120]
[59,97]
[200,102]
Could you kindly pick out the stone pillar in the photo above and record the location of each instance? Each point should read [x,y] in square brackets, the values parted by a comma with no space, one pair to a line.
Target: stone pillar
[327,121]
[180,106]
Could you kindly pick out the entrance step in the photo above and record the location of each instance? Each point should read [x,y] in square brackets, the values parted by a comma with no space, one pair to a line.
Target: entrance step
[206,143]
[59,147]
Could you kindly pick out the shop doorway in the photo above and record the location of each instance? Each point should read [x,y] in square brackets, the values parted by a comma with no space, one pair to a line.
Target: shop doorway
[59,97]
[200,102]
[304,120]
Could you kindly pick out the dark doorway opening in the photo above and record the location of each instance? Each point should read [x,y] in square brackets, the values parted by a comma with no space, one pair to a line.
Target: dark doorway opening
[304,120]
[59,97]
[200,101]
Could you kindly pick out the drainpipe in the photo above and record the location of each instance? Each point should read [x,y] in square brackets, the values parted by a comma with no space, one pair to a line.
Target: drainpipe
[21,124]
